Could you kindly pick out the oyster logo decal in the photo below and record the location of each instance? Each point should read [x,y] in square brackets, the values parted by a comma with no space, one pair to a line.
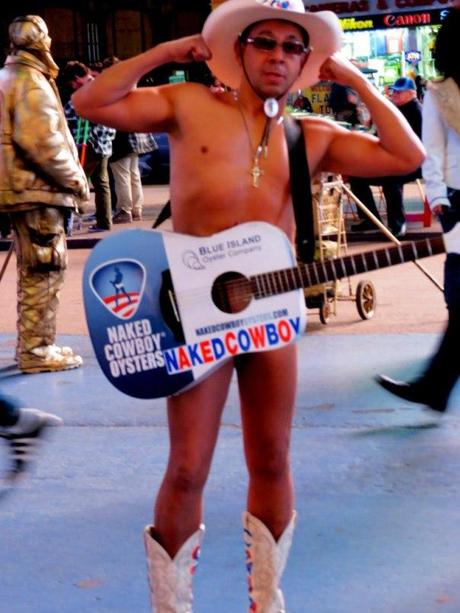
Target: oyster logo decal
[119,286]
[191,260]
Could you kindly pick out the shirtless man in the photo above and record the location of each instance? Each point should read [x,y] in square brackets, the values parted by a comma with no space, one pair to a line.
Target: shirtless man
[215,185]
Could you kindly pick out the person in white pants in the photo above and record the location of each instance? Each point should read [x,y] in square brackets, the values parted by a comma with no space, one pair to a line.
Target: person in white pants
[124,165]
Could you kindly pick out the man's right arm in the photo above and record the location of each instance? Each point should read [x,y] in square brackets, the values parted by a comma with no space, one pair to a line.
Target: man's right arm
[113,98]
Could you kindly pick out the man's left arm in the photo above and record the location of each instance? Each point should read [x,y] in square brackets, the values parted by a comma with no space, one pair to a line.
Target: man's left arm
[395,151]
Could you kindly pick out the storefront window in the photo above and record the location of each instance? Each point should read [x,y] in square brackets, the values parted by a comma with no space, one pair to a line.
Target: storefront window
[386,51]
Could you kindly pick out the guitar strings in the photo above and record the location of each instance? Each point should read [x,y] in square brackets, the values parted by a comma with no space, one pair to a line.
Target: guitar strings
[249,287]
[242,288]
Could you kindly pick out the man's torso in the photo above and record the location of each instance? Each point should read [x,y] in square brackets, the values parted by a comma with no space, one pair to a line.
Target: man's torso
[212,157]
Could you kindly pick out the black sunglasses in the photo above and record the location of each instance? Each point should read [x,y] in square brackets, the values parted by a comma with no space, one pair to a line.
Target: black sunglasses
[264,43]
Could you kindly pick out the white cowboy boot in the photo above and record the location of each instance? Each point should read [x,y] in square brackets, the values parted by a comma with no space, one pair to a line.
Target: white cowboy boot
[171,580]
[265,563]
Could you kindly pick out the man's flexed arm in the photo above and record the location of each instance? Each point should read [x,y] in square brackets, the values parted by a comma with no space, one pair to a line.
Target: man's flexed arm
[113,98]
[396,150]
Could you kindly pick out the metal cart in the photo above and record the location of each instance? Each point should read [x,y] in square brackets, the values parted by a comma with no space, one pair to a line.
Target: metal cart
[331,242]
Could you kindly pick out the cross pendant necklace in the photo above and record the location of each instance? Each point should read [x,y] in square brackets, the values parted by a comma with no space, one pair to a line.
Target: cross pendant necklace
[256,171]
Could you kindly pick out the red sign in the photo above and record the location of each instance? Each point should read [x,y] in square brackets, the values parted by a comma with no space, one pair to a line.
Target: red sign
[407,19]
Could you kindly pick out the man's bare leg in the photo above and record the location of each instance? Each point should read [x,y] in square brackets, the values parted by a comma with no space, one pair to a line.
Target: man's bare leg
[267,383]
[194,419]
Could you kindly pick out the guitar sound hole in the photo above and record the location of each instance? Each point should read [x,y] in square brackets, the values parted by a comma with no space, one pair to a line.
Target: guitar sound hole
[231,292]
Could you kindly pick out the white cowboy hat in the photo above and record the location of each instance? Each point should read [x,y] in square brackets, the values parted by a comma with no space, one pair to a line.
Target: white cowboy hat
[229,19]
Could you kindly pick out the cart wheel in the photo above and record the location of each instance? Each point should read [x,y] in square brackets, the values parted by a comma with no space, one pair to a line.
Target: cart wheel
[365,299]
[324,310]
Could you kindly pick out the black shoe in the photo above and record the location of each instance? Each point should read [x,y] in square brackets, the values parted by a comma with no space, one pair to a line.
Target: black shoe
[23,438]
[399,232]
[365,225]
[122,217]
[414,392]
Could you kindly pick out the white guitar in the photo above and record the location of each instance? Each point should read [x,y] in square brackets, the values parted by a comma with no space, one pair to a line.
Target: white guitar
[166,309]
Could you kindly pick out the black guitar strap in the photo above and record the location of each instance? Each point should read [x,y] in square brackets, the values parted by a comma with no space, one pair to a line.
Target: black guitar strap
[300,190]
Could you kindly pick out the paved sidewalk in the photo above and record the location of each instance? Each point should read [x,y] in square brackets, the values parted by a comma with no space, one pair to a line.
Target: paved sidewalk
[377,485]
[157,195]
[377,479]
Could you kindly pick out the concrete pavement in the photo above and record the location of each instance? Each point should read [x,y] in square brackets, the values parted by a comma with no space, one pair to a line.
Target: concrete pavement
[377,479]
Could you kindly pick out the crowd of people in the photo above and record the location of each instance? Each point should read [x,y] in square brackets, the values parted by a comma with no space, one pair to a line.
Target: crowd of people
[237,174]
[111,157]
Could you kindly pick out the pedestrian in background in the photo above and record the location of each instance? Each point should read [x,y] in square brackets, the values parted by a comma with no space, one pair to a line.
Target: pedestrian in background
[404,96]
[41,183]
[124,165]
[343,103]
[441,171]
[420,84]
[98,148]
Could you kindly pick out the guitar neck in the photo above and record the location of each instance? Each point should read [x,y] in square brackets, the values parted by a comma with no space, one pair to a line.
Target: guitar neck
[317,273]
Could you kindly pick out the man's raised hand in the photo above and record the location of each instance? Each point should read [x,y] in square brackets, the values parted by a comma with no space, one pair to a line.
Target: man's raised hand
[189,49]
[340,70]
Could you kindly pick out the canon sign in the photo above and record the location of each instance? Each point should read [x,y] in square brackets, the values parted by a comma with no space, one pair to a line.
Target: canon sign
[407,19]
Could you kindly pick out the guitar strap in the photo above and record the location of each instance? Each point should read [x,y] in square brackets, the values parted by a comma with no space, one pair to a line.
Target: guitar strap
[300,190]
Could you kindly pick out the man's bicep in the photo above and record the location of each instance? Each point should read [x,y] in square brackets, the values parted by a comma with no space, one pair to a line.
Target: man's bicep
[142,110]
[359,155]
[147,110]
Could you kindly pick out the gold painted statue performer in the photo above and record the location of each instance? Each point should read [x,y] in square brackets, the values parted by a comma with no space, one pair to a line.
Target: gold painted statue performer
[41,184]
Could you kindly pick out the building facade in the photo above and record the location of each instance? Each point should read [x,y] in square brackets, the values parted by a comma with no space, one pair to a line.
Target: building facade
[91,30]
[393,37]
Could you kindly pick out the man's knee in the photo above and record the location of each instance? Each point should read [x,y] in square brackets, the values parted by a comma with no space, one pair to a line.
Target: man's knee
[270,465]
[187,478]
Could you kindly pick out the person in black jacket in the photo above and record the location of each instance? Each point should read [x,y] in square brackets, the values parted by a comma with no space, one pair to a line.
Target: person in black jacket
[344,104]
[404,95]
[435,383]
